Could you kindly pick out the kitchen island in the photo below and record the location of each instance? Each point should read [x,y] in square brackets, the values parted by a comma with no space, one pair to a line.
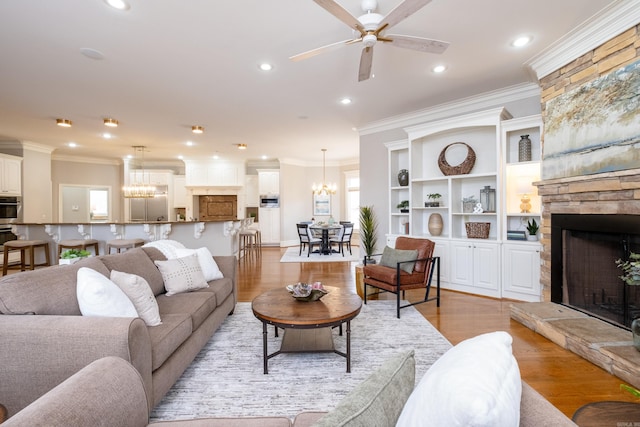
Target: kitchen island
[220,237]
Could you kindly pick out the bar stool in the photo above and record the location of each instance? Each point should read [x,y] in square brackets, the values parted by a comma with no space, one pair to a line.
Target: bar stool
[81,244]
[250,239]
[23,246]
[123,244]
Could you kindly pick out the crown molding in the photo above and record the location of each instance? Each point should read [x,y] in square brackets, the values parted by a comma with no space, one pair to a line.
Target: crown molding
[611,21]
[341,163]
[32,146]
[458,107]
[92,160]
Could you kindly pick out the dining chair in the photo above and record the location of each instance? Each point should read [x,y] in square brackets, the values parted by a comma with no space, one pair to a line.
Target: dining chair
[343,238]
[306,239]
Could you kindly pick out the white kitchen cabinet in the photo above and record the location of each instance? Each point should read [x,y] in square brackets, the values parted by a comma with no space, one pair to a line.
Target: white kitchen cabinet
[521,271]
[10,175]
[217,174]
[251,191]
[179,191]
[268,181]
[474,267]
[269,225]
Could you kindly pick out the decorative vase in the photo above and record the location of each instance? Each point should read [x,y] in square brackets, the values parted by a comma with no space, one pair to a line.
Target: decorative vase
[635,329]
[403,177]
[435,224]
[524,149]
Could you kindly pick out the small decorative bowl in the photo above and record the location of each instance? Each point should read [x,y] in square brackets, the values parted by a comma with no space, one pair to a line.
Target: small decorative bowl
[307,292]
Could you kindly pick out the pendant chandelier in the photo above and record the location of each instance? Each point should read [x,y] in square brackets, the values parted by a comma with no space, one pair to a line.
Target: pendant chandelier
[324,188]
[138,189]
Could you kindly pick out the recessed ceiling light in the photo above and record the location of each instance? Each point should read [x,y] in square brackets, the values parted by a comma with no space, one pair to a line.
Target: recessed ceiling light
[181,157]
[190,144]
[112,123]
[242,146]
[118,4]
[197,129]
[72,144]
[521,41]
[345,101]
[106,135]
[215,156]
[64,123]
[266,67]
[439,69]
[264,157]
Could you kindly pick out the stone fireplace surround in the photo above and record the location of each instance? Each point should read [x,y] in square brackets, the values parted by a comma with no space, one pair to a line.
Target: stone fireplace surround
[603,344]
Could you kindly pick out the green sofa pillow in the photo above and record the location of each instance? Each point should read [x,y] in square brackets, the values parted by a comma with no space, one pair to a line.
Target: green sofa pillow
[378,400]
[391,257]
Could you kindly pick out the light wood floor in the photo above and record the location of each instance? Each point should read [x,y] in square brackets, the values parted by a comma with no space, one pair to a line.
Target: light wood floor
[566,380]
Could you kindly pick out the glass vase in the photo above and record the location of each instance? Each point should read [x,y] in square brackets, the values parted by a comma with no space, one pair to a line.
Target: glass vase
[524,149]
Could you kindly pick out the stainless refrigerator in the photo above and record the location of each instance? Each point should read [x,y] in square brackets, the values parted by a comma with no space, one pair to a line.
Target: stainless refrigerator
[152,209]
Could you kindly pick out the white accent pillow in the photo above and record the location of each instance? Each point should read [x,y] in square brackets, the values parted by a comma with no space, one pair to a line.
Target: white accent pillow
[167,247]
[476,383]
[140,294]
[182,274]
[209,266]
[99,296]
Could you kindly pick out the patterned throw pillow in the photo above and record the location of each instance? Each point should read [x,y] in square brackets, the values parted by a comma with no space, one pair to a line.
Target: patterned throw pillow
[140,294]
[182,274]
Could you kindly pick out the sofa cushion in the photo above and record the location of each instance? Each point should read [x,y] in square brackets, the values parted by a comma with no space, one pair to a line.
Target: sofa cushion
[140,294]
[391,257]
[99,296]
[198,305]
[379,399]
[168,336]
[136,261]
[210,269]
[50,290]
[182,274]
[475,383]
[389,275]
[222,288]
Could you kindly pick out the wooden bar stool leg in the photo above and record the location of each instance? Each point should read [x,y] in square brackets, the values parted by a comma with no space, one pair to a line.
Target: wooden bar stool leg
[32,258]
[5,265]
[47,256]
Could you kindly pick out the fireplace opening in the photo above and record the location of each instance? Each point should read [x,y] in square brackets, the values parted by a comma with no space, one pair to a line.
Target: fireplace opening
[584,275]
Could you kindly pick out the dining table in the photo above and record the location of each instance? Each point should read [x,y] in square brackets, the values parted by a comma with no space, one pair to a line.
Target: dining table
[325,229]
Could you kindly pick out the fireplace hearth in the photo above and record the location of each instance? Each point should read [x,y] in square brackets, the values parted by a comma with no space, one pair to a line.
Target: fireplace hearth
[584,275]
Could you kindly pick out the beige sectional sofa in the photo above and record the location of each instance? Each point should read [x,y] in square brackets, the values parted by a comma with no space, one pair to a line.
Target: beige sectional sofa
[45,339]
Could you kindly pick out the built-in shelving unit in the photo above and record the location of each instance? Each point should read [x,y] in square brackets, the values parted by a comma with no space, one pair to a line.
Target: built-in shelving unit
[471,264]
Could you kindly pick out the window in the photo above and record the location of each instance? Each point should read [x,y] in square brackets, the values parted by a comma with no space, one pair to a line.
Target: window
[352,199]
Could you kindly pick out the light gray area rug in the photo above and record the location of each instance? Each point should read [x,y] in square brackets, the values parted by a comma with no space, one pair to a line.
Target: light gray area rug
[291,255]
[226,378]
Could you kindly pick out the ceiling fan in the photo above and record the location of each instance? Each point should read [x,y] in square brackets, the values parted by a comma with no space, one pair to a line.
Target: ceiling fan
[370,27]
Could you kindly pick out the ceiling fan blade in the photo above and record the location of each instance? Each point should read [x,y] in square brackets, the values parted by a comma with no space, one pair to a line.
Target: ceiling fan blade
[341,13]
[319,50]
[415,43]
[401,11]
[366,59]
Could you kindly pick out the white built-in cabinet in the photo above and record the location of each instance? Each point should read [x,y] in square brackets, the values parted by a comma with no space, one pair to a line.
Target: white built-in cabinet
[214,174]
[269,225]
[10,175]
[251,191]
[179,191]
[268,181]
[471,264]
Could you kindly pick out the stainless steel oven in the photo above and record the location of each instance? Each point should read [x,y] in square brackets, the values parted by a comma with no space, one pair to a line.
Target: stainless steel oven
[10,210]
[269,201]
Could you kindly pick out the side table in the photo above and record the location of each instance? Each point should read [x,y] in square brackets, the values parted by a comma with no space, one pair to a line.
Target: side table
[608,413]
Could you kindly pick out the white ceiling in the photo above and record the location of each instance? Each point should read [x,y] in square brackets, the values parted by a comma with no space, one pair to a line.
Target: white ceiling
[171,64]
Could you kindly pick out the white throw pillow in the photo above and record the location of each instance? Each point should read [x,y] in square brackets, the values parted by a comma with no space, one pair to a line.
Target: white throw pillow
[476,383]
[182,274]
[140,294]
[99,296]
[209,266]
[167,247]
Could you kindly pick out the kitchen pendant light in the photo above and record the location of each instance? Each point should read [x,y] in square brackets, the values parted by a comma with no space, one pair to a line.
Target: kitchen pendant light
[138,189]
[323,188]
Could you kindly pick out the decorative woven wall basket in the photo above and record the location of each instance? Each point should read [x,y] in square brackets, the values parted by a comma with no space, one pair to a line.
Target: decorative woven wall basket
[461,169]
[477,230]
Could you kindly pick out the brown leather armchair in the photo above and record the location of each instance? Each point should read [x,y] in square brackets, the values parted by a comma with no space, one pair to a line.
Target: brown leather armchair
[397,280]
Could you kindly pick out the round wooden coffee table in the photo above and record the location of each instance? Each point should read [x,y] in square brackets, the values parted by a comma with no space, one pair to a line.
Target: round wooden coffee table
[307,325]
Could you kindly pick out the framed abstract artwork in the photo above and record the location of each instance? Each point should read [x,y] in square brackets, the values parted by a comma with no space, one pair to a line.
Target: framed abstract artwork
[321,204]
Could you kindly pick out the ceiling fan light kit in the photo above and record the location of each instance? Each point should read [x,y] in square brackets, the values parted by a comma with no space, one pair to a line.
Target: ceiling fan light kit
[370,27]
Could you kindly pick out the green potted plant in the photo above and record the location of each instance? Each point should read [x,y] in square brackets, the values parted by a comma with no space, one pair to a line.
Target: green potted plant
[71,256]
[434,200]
[532,229]
[403,206]
[368,230]
[631,276]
